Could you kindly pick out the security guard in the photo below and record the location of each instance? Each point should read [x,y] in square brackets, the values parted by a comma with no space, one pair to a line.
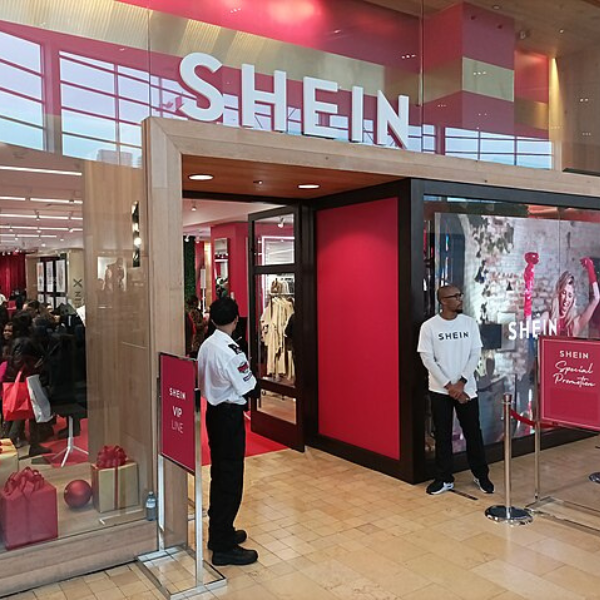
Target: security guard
[227,383]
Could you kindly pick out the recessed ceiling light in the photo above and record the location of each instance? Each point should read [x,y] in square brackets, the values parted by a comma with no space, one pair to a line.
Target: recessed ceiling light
[561,31]
[309,186]
[194,207]
[200,177]
[496,7]
[258,182]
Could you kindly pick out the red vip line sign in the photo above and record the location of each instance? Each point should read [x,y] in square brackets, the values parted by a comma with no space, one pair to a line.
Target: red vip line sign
[178,421]
[570,382]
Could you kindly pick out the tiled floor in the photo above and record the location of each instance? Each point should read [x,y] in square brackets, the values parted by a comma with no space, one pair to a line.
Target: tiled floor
[329,530]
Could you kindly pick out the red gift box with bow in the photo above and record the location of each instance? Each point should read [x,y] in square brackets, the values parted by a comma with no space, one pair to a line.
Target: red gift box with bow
[114,480]
[28,509]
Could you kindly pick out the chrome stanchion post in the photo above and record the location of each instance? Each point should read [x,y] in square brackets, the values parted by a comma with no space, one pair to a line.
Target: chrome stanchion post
[508,513]
[537,434]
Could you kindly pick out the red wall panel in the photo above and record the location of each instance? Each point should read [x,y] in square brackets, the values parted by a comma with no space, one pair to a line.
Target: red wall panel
[347,27]
[237,234]
[357,312]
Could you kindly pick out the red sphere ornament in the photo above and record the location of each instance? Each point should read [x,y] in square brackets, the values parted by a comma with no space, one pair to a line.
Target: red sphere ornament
[78,493]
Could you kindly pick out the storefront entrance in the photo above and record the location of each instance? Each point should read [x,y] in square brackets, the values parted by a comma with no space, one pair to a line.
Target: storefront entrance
[349,249]
[275,317]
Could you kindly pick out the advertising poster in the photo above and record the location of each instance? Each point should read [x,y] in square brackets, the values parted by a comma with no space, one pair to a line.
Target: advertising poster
[61,276]
[570,382]
[522,277]
[178,420]
[49,276]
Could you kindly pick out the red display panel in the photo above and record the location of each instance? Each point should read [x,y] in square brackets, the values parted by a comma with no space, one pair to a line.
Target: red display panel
[357,311]
[570,382]
[177,390]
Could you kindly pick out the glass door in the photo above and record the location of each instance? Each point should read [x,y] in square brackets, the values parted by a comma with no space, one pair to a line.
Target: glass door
[275,324]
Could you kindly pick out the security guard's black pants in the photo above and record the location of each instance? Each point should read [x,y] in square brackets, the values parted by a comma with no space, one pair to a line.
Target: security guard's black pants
[227,442]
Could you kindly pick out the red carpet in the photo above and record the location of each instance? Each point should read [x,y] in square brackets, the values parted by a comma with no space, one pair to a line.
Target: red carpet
[75,457]
[255,444]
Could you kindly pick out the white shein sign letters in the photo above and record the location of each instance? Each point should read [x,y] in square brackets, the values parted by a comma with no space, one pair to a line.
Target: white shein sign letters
[388,120]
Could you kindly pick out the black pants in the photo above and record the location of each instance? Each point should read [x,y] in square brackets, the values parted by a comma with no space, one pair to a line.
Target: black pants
[227,442]
[442,408]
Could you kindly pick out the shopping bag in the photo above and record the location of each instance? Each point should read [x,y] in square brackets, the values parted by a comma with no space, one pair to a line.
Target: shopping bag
[16,404]
[39,399]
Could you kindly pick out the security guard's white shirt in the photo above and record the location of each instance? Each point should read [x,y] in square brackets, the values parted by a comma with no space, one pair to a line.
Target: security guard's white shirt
[224,374]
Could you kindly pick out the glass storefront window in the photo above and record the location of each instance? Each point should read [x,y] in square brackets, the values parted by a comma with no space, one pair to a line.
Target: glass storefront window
[275,317]
[65,307]
[525,270]
[274,241]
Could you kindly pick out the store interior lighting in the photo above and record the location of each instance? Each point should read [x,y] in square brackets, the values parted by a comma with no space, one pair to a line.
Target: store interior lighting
[56,201]
[36,170]
[200,177]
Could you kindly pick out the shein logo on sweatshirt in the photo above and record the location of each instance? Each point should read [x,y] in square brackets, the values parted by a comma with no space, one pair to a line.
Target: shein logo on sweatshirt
[314,111]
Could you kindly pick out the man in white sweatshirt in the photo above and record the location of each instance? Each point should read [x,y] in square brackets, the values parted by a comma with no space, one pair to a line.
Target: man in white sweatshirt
[450,347]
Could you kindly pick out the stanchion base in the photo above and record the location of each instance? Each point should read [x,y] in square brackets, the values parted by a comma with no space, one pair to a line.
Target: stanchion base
[595,477]
[516,516]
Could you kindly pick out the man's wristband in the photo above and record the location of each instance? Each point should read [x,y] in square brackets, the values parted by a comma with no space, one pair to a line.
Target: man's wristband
[463,380]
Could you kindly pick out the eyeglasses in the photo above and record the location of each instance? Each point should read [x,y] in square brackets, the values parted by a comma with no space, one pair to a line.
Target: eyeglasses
[455,296]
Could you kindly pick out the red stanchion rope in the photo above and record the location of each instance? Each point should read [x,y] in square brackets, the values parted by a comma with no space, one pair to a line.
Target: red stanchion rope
[515,415]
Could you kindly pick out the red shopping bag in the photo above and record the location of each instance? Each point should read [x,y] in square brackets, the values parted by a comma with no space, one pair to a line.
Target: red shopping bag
[16,403]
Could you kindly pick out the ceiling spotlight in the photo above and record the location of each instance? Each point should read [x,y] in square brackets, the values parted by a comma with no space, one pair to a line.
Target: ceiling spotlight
[561,31]
[200,177]
[186,238]
[281,223]
[137,242]
[194,207]
[258,182]
[496,7]
[309,186]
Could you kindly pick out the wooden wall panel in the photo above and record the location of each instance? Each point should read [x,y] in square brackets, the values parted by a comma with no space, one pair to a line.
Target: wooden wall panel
[165,254]
[228,143]
[578,81]
[117,324]
[42,564]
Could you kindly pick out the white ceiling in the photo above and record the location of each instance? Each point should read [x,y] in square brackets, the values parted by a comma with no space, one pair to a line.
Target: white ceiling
[215,212]
[27,224]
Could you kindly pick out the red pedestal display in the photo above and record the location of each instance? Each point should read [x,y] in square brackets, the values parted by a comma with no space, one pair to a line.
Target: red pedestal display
[28,510]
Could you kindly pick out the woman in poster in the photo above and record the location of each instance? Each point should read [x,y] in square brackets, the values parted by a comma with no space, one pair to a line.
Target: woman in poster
[563,317]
